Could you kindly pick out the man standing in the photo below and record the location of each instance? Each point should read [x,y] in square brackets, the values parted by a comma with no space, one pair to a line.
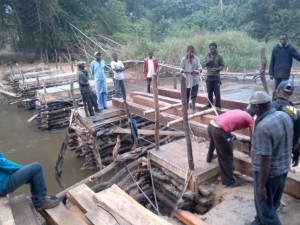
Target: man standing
[150,68]
[270,153]
[97,70]
[86,92]
[214,63]
[282,60]
[118,68]
[191,68]
[14,175]
[219,131]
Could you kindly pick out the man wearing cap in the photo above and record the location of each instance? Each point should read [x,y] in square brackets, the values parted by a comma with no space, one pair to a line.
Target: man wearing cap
[97,70]
[270,153]
[219,131]
[282,60]
[86,92]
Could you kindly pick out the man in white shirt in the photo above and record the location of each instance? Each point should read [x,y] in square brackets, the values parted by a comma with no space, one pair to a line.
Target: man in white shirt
[118,68]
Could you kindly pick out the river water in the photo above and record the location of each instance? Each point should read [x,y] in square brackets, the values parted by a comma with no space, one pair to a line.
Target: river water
[21,143]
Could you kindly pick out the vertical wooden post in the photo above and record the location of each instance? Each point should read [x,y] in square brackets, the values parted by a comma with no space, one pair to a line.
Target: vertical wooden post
[59,61]
[37,81]
[44,86]
[156,106]
[56,59]
[72,94]
[174,79]
[185,123]
[42,55]
[70,60]
[23,77]
[47,58]
[263,65]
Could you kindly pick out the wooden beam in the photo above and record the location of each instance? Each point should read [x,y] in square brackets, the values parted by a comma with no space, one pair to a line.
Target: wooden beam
[163,108]
[187,217]
[9,93]
[151,132]
[156,107]
[190,116]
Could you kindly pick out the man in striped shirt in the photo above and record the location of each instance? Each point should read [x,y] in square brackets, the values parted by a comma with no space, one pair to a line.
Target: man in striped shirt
[271,156]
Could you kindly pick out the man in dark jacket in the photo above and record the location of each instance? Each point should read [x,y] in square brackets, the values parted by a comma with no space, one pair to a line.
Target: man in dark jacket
[87,94]
[282,60]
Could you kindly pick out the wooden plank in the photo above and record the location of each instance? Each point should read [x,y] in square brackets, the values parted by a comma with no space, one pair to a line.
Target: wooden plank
[188,218]
[242,163]
[23,211]
[75,209]
[9,93]
[60,215]
[6,216]
[150,132]
[97,218]
[119,203]
[82,196]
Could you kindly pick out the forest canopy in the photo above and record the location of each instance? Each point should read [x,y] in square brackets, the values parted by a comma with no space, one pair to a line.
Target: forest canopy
[28,26]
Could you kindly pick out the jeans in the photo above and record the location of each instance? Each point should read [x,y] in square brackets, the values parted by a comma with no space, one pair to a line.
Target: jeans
[149,80]
[33,175]
[265,208]
[120,87]
[213,87]
[192,92]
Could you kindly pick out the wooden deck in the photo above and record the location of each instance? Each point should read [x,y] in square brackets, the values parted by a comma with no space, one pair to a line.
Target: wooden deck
[173,157]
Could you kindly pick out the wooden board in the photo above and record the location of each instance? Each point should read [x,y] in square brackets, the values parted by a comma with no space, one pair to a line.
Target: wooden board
[75,209]
[6,216]
[188,218]
[60,215]
[9,93]
[23,211]
[82,196]
[120,203]
[96,217]
[150,132]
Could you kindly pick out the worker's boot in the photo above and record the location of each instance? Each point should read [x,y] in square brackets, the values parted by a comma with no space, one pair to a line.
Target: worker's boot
[193,105]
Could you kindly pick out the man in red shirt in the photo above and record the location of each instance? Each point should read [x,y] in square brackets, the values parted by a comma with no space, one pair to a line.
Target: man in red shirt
[150,68]
[219,131]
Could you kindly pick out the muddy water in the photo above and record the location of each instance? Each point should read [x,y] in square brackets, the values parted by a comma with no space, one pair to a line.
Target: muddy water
[20,142]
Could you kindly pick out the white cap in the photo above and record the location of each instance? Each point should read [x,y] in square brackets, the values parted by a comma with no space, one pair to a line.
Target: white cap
[96,53]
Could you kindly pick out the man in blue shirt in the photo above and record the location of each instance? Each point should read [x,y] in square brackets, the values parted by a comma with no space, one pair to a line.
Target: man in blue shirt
[13,175]
[97,70]
[271,150]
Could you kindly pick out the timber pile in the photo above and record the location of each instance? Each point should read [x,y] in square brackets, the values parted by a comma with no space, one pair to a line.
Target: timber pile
[53,115]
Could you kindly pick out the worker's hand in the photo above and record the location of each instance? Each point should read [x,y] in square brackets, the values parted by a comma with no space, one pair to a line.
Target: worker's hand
[262,192]
[213,69]
[271,77]
[233,137]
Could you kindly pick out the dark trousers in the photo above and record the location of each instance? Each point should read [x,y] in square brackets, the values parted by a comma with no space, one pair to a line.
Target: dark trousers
[192,92]
[120,87]
[90,98]
[265,208]
[222,141]
[213,87]
[149,80]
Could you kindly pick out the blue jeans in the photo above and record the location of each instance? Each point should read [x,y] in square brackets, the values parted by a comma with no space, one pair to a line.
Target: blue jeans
[33,175]
[265,208]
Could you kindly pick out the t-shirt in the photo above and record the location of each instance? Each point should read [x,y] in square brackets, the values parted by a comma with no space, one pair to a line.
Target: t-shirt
[150,68]
[234,120]
[185,64]
[117,65]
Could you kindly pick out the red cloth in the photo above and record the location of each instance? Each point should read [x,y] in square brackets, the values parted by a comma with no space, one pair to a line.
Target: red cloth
[234,120]
[155,62]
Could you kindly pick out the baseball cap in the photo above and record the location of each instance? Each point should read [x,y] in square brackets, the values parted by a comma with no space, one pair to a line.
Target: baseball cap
[97,53]
[286,86]
[260,97]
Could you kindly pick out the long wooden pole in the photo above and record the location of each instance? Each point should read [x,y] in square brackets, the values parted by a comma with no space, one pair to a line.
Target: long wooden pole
[185,124]
[163,108]
[174,79]
[204,112]
[156,106]
[262,72]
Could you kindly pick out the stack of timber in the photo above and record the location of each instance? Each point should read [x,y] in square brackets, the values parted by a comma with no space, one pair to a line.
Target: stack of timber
[84,207]
[53,105]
